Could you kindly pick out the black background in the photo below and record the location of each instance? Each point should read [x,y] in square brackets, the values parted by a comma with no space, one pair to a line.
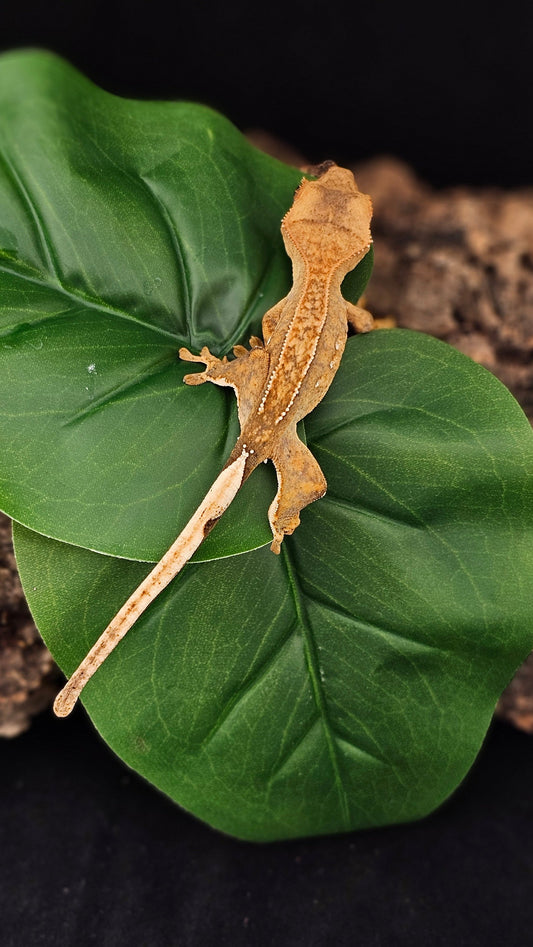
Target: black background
[89,854]
[447,87]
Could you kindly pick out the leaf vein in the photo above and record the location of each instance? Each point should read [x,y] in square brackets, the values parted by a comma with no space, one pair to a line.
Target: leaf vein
[249,684]
[313,666]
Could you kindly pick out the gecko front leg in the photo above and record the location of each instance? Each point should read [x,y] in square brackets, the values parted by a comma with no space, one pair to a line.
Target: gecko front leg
[213,366]
[246,373]
[359,319]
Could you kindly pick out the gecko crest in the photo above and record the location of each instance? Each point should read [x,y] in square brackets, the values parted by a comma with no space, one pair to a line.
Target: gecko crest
[277,382]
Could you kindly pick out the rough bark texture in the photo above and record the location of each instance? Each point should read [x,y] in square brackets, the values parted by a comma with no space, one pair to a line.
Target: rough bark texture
[457,264]
[28,676]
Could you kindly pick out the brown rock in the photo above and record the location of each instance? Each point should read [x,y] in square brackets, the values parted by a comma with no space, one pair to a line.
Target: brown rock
[28,675]
[457,264]
[516,702]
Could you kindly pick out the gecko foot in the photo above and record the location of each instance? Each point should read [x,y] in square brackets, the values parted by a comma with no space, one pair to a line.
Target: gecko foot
[205,356]
[210,361]
[287,530]
[240,351]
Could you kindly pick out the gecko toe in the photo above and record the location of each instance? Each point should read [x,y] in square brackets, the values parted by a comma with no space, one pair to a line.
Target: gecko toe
[197,379]
[239,351]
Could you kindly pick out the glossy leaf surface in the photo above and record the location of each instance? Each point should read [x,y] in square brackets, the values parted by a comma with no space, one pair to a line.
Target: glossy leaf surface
[349,682]
[127,229]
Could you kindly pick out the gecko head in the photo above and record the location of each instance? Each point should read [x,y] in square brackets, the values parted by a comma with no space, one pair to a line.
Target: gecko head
[329,219]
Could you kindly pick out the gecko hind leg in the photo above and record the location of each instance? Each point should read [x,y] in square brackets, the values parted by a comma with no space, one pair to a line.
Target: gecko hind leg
[300,481]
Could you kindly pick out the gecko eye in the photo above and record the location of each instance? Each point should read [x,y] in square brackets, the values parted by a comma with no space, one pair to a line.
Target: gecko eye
[321,169]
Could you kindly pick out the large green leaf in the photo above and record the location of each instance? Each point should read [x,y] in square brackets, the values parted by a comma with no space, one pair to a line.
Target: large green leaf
[350,681]
[127,229]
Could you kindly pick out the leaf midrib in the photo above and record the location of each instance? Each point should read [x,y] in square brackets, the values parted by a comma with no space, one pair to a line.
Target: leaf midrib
[84,301]
[44,241]
[313,666]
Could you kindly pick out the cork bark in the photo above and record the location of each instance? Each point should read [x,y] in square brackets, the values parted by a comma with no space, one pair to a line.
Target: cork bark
[457,264]
[28,676]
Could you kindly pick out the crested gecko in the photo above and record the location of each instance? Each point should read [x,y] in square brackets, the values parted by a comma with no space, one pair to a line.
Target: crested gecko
[277,381]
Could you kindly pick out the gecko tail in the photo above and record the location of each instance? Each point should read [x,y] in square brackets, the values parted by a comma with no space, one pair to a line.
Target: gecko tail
[216,501]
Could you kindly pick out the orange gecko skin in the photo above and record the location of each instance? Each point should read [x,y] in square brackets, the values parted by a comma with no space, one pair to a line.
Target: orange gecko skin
[280,380]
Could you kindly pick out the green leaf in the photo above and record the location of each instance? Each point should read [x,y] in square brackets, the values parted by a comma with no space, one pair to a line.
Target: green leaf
[349,682]
[127,229]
